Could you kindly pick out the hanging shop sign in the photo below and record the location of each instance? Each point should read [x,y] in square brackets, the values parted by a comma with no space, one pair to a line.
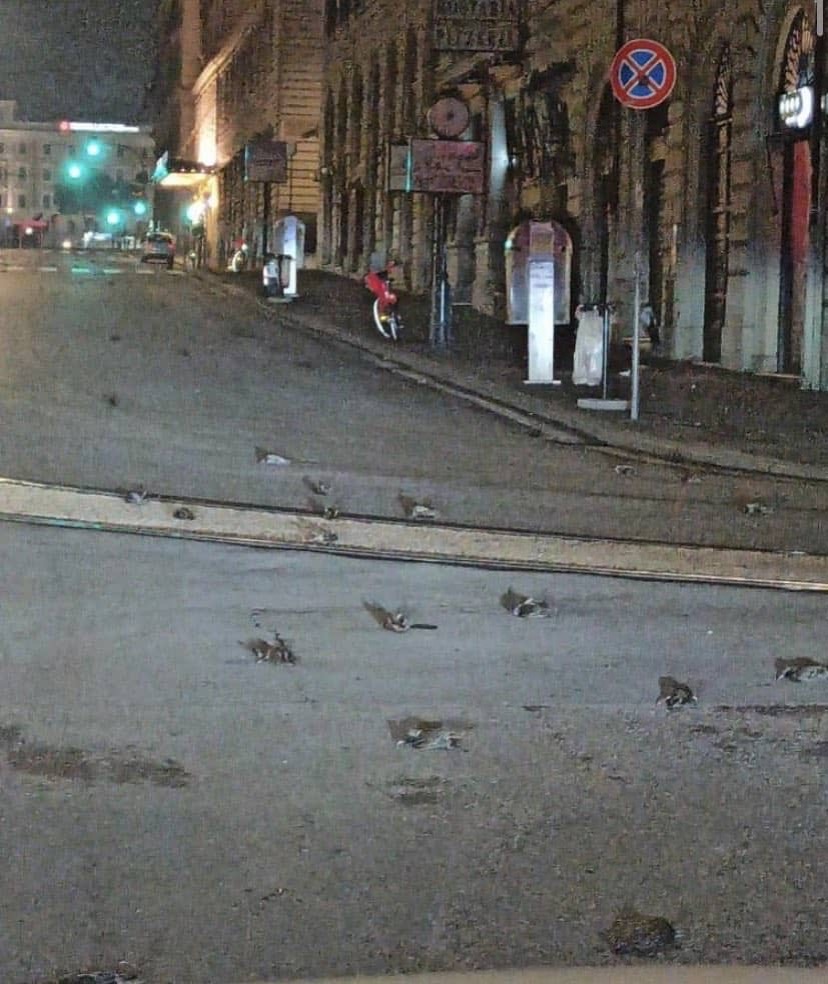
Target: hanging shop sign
[642,74]
[266,160]
[476,25]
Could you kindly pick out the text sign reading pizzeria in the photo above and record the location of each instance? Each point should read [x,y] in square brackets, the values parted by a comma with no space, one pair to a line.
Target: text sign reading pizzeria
[476,25]
[642,74]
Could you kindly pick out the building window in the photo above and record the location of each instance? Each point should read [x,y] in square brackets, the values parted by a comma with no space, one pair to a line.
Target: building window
[22,149]
[21,174]
[47,201]
[47,150]
[120,150]
[21,201]
[47,174]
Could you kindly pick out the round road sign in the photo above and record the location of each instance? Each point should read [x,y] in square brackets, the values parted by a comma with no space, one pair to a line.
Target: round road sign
[642,74]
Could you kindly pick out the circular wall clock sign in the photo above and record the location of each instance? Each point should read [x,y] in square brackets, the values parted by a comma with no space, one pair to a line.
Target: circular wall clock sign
[449,117]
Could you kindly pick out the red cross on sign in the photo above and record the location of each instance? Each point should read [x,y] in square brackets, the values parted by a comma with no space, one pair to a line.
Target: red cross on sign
[642,74]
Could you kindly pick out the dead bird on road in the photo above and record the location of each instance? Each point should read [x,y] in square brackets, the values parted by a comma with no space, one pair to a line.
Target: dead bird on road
[393,621]
[524,606]
[277,651]
[417,510]
[800,669]
[674,694]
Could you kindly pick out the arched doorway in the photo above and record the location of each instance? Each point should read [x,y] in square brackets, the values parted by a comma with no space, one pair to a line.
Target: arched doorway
[718,139]
[797,74]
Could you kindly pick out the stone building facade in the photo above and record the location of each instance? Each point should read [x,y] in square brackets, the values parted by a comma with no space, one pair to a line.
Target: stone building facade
[719,195]
[244,70]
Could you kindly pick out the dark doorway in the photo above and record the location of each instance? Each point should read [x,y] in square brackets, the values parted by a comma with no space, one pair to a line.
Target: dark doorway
[718,140]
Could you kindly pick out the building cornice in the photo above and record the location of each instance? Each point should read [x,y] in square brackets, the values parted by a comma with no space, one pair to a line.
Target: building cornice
[250,19]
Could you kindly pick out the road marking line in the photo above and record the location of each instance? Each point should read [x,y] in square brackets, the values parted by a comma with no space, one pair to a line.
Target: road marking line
[112,270]
[47,269]
[388,539]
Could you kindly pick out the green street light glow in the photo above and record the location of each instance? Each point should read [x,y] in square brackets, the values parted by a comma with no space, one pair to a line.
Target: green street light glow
[93,148]
[140,208]
[74,171]
[113,218]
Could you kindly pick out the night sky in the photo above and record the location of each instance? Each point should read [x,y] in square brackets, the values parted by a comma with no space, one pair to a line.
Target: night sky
[77,59]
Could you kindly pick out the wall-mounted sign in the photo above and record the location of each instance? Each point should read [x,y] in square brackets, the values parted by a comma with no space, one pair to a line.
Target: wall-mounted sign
[447,167]
[398,167]
[476,25]
[437,167]
[266,160]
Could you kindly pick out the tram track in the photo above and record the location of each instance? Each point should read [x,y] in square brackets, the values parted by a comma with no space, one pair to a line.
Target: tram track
[381,538]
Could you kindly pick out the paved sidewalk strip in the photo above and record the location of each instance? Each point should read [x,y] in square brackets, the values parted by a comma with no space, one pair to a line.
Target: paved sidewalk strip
[379,538]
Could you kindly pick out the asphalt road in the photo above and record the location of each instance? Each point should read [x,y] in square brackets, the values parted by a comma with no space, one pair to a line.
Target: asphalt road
[171,802]
[113,376]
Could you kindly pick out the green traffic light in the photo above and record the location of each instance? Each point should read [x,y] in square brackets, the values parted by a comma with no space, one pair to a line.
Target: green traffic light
[93,148]
[113,218]
[75,171]
[140,208]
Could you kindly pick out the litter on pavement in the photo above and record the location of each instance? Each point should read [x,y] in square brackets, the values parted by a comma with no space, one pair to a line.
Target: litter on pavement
[183,513]
[624,470]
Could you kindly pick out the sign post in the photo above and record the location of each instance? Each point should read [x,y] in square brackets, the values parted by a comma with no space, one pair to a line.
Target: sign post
[642,76]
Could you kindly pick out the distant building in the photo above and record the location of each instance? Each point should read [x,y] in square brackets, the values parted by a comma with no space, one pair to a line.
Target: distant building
[232,75]
[37,158]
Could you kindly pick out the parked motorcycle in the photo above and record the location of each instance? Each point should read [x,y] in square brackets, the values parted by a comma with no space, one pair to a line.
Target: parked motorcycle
[387,319]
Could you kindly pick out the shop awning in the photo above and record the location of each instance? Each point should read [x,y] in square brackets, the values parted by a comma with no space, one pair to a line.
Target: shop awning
[175,172]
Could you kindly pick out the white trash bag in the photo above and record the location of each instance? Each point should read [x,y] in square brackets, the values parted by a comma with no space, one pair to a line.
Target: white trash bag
[588,365]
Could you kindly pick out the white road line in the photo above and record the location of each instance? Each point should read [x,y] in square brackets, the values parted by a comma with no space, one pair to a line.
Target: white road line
[47,269]
[55,505]
[144,271]
[112,270]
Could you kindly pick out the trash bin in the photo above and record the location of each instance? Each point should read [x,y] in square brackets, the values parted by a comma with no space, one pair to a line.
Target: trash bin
[289,242]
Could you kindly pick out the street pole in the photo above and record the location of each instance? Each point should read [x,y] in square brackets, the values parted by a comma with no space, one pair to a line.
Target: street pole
[636,340]
[440,300]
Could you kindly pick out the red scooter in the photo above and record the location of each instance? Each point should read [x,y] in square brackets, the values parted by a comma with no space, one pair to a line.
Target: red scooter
[386,316]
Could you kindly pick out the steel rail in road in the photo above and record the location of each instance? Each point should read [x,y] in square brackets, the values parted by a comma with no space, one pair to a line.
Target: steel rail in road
[388,539]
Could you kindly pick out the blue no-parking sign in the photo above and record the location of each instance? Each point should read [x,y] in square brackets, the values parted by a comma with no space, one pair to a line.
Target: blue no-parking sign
[642,74]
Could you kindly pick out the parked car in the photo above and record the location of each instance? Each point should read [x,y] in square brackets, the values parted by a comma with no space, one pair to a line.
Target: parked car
[159,247]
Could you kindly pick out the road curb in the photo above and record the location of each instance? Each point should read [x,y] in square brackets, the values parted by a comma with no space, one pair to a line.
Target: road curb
[385,539]
[507,403]
[635,974]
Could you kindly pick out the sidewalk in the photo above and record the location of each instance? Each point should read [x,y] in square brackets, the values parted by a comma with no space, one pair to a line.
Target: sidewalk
[689,412]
